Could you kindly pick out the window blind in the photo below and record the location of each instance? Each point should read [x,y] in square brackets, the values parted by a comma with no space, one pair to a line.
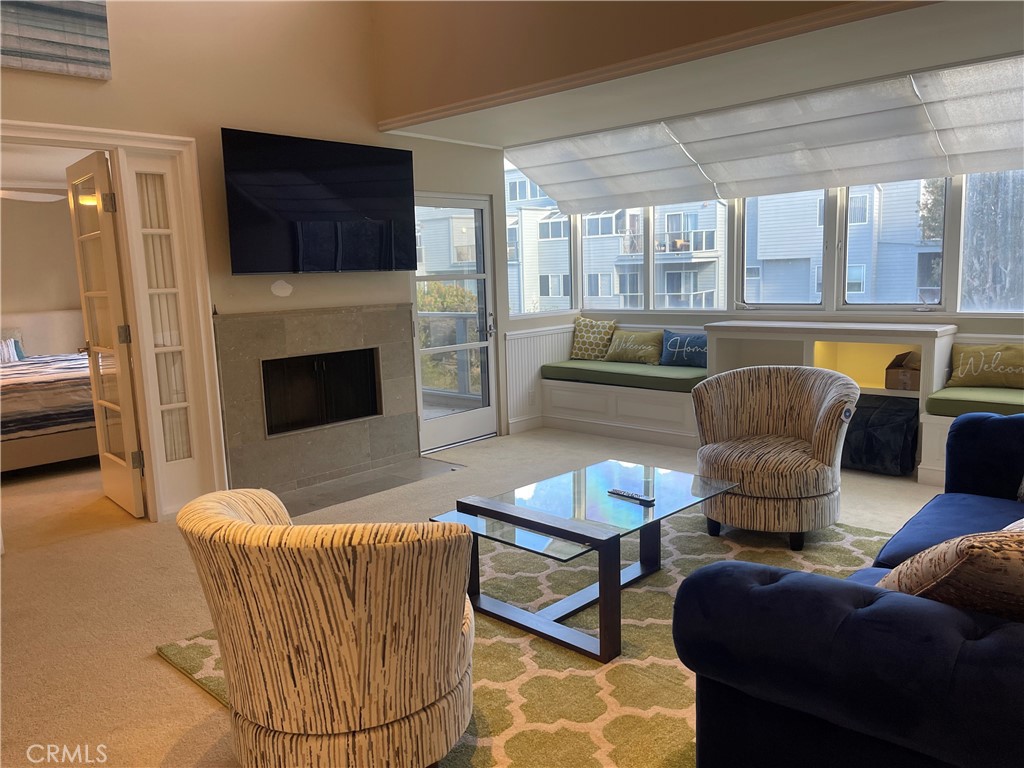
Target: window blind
[966,119]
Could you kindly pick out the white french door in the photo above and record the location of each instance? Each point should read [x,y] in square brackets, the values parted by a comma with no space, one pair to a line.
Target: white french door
[454,321]
[99,278]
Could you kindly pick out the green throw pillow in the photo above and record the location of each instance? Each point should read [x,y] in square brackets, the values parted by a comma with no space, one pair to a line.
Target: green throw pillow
[590,338]
[635,347]
[987,365]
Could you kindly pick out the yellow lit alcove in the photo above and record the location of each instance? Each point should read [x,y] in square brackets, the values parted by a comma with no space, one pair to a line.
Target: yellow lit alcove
[862,362]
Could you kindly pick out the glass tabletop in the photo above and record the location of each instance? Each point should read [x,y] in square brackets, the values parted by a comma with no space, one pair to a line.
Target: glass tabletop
[582,495]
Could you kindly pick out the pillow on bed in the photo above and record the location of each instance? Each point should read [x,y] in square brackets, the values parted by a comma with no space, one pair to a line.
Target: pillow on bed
[8,352]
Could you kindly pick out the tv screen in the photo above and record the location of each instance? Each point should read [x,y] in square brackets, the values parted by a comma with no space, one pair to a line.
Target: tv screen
[305,205]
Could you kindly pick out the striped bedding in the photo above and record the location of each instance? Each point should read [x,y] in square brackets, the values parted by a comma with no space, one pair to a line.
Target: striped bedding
[45,394]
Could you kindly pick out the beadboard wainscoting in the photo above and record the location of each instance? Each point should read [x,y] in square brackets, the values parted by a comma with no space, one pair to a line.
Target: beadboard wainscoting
[526,352]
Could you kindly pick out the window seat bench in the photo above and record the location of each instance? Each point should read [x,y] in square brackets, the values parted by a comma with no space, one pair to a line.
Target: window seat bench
[634,401]
[942,406]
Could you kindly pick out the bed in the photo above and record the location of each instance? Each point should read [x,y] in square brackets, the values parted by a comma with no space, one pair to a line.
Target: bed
[46,412]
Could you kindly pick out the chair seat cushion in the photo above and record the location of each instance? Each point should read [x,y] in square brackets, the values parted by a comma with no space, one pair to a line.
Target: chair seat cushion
[767,466]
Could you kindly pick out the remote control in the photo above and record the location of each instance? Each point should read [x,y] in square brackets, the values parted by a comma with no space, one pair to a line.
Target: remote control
[639,498]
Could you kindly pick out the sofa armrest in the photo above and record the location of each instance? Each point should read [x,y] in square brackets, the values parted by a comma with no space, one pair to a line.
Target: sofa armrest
[907,670]
[985,455]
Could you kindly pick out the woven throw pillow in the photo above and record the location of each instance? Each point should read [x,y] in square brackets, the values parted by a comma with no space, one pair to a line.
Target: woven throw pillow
[689,349]
[987,365]
[977,572]
[590,338]
[635,347]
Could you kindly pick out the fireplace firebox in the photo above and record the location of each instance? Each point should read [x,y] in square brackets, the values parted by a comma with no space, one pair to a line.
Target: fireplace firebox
[314,390]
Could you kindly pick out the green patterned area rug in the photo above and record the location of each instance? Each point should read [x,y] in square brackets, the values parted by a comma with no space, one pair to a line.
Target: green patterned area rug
[538,705]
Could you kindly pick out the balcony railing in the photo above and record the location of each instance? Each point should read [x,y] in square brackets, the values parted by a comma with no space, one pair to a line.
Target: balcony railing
[686,242]
[694,300]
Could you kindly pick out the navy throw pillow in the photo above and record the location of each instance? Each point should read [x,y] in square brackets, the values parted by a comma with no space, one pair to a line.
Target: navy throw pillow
[689,349]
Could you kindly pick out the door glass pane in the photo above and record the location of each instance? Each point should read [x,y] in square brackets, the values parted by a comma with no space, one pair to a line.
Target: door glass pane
[450,312]
[107,363]
[166,323]
[613,244]
[170,375]
[992,270]
[152,201]
[92,264]
[86,206]
[159,261]
[454,382]
[98,317]
[177,442]
[113,431]
[449,240]
[539,272]
[894,242]
[784,241]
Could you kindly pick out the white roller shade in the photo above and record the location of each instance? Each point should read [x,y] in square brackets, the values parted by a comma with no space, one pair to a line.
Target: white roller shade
[963,120]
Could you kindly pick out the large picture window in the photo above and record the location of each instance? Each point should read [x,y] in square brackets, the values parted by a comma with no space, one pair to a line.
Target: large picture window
[992,264]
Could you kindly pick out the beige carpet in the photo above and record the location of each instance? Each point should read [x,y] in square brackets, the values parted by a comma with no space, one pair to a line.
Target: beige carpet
[88,593]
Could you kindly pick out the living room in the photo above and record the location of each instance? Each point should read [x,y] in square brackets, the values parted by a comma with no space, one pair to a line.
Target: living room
[382,74]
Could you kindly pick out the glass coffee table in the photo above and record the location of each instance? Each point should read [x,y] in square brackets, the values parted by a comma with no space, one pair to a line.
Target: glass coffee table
[568,515]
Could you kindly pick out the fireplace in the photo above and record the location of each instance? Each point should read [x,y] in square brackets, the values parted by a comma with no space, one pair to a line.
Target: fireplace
[313,390]
[378,423]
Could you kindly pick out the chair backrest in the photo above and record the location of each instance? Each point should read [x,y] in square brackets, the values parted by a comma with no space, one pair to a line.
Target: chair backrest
[329,628]
[814,404]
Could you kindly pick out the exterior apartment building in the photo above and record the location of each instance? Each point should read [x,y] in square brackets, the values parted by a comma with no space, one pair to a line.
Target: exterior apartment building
[893,256]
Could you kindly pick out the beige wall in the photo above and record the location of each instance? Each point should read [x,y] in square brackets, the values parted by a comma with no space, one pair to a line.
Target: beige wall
[298,68]
[431,55]
[37,257]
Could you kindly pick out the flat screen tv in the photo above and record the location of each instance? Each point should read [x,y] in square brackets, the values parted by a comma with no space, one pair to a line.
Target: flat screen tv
[306,205]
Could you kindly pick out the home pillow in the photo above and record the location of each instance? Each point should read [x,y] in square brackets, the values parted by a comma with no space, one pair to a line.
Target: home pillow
[689,349]
[590,338]
[987,365]
[977,572]
[635,347]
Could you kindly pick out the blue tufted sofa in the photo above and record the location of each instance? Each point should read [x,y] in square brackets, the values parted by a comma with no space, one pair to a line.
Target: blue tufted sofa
[808,671]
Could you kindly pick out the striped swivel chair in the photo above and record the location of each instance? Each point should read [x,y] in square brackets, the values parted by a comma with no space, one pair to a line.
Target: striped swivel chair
[778,431]
[343,645]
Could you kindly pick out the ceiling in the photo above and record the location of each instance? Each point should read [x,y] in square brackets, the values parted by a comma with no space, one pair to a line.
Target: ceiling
[912,40]
[35,173]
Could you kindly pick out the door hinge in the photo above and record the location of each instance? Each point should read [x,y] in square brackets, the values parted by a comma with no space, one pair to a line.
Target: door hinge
[124,334]
[109,200]
[138,461]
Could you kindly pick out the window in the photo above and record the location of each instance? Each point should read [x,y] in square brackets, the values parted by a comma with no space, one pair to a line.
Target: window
[599,224]
[618,245]
[753,273]
[682,231]
[992,264]
[857,209]
[855,278]
[555,229]
[780,234]
[464,241]
[681,282]
[599,284]
[419,244]
[929,277]
[555,285]
[523,189]
[910,220]
[629,290]
[512,240]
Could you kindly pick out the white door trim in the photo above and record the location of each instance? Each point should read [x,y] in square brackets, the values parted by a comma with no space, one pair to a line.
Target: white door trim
[183,151]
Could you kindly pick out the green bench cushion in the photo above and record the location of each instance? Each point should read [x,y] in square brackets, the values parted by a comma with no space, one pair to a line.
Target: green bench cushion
[668,378]
[955,401]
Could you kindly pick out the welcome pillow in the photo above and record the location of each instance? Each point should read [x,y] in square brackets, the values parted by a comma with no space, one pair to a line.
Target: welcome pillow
[977,572]
[987,365]
[635,347]
[689,349]
[590,338]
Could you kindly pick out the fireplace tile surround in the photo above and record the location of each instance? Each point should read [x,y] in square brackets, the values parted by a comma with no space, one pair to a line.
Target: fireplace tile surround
[308,457]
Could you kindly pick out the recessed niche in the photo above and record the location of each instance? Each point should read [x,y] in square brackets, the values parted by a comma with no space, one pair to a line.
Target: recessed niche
[316,390]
